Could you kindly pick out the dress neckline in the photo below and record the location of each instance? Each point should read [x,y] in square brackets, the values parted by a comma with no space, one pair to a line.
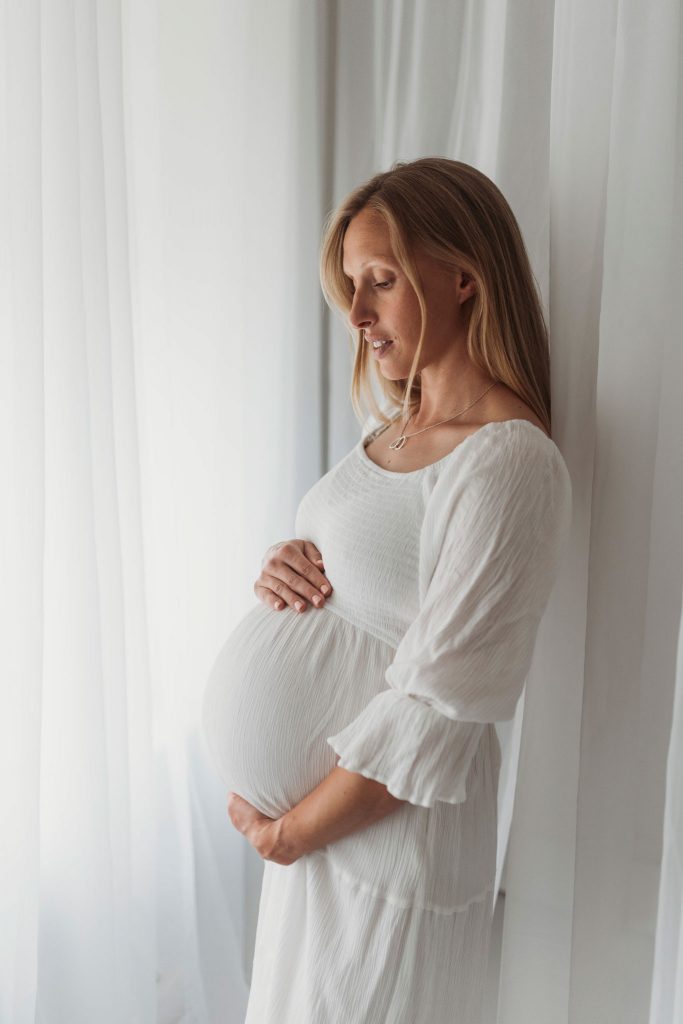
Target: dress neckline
[470,437]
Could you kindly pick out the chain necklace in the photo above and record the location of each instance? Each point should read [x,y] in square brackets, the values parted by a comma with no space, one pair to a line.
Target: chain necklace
[398,443]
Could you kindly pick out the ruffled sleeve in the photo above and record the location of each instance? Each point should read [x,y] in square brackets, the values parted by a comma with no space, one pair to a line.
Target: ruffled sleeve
[495,528]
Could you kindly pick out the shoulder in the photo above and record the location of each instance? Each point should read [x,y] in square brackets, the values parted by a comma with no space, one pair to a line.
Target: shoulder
[508,498]
[505,404]
[508,470]
[508,449]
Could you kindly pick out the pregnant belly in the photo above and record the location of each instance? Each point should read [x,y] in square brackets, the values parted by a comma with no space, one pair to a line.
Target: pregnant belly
[283,682]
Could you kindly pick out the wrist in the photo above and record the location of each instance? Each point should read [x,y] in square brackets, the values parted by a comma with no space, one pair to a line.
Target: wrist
[289,840]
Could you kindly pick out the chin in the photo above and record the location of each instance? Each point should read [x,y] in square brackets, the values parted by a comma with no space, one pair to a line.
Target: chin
[391,369]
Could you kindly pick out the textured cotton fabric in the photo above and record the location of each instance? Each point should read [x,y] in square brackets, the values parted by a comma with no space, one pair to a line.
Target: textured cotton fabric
[441,578]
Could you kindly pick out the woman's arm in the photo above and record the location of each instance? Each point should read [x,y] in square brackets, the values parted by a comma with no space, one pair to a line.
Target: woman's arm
[342,803]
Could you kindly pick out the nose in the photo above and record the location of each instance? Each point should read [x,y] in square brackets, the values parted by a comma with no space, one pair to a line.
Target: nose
[360,314]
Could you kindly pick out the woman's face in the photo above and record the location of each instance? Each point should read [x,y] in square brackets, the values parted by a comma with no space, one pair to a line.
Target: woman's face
[385,304]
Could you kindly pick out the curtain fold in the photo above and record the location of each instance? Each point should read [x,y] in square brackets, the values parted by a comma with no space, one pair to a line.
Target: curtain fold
[171,384]
[666,999]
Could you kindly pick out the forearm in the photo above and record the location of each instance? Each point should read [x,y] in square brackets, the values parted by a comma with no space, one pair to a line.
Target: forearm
[343,803]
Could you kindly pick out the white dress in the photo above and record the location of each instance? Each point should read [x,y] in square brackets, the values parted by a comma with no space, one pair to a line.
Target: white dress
[441,577]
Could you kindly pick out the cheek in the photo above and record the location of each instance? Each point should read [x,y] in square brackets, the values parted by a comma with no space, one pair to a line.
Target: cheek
[407,313]
[443,307]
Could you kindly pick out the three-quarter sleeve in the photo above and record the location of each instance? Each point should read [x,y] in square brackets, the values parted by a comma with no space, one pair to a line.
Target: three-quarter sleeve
[495,528]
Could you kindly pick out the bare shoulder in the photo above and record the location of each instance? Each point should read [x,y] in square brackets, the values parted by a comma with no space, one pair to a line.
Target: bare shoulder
[509,406]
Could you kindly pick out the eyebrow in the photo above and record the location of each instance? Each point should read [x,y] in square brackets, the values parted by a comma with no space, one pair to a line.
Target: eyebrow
[374,259]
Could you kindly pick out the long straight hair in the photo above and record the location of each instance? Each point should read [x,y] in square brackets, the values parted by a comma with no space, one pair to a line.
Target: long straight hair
[455,214]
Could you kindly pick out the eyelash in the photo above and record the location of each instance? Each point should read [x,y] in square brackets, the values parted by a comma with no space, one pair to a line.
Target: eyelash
[379,284]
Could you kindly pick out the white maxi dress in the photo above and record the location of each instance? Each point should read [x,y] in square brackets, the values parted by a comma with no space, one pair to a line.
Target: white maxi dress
[441,577]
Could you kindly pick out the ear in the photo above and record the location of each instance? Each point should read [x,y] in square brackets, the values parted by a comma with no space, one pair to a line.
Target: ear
[466,286]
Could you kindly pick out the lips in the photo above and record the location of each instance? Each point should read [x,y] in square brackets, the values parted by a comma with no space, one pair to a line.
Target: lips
[381,349]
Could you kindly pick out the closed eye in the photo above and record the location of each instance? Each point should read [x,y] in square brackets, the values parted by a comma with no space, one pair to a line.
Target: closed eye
[379,284]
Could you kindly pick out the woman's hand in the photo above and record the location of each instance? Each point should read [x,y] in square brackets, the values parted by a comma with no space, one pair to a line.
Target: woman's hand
[292,572]
[263,833]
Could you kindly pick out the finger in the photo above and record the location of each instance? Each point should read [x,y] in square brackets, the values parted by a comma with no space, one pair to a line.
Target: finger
[272,589]
[265,594]
[304,566]
[313,554]
[297,573]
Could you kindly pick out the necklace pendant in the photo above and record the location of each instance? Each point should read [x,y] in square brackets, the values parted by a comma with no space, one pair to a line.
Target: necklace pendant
[398,443]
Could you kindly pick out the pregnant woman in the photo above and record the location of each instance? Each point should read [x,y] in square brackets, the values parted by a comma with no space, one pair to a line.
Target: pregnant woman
[351,712]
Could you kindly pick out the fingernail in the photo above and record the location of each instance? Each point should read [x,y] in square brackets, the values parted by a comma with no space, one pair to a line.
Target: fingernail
[317,601]
[324,588]
[298,605]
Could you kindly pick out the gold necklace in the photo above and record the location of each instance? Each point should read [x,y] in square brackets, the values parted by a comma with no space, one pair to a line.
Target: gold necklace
[398,443]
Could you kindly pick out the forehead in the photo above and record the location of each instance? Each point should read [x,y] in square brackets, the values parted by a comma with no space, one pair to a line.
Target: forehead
[366,241]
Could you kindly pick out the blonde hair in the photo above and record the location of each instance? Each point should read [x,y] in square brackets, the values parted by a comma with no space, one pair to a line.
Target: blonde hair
[456,215]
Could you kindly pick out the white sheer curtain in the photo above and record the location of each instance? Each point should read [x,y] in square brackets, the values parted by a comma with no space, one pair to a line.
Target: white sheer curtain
[160,205]
[171,385]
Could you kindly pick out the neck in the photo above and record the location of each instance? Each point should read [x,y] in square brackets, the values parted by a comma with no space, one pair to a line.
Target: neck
[432,408]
